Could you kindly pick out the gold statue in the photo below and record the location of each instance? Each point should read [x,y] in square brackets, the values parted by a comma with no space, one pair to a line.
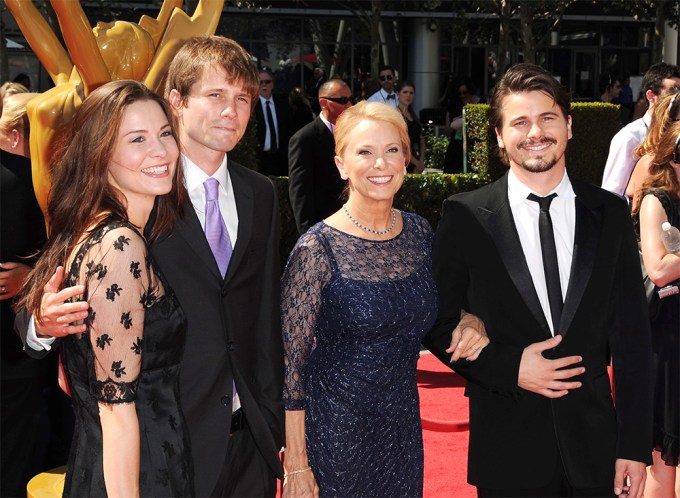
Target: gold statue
[107,52]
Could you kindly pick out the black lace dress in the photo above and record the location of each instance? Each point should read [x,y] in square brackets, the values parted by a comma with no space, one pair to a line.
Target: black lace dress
[130,352]
[666,357]
[353,314]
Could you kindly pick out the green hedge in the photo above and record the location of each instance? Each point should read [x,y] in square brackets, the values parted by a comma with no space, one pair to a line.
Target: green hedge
[593,126]
[422,194]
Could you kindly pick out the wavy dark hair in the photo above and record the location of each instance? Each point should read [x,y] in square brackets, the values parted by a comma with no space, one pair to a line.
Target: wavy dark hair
[81,198]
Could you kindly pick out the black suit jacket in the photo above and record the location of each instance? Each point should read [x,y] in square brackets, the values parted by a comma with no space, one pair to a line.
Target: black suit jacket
[234,327]
[314,183]
[275,162]
[516,436]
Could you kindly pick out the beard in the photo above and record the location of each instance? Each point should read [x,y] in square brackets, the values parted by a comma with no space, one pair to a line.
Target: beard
[539,164]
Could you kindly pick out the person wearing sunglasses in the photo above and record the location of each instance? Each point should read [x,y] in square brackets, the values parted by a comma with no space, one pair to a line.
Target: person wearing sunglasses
[314,184]
[273,116]
[386,94]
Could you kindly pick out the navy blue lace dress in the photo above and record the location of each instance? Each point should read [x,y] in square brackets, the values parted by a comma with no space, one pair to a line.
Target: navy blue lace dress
[130,352]
[353,314]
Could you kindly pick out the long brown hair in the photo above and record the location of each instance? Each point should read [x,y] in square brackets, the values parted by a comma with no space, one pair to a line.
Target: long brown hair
[81,198]
[665,112]
[662,174]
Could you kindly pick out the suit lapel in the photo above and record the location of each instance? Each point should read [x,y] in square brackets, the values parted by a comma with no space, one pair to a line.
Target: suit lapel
[189,228]
[501,227]
[587,229]
[244,207]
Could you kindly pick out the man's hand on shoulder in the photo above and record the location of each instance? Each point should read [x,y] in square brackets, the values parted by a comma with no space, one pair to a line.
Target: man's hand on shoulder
[57,316]
[546,377]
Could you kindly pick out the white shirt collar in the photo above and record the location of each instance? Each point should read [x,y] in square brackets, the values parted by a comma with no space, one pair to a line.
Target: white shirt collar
[518,192]
[329,125]
[263,100]
[194,176]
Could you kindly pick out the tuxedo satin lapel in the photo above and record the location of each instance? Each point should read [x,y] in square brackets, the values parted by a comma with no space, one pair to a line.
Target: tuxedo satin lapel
[244,207]
[587,230]
[190,229]
[501,227]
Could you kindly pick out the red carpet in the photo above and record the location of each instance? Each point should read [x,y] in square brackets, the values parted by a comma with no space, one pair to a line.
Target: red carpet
[444,411]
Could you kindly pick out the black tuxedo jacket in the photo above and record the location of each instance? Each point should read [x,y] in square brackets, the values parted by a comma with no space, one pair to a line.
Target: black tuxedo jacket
[275,163]
[314,183]
[516,436]
[234,327]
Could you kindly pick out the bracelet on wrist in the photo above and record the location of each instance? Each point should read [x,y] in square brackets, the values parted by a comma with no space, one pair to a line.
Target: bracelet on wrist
[298,471]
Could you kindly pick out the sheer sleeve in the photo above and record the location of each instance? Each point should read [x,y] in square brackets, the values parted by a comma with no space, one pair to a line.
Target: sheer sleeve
[307,273]
[119,288]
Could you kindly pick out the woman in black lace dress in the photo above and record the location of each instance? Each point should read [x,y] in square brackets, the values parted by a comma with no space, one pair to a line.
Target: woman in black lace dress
[661,203]
[115,161]
[357,297]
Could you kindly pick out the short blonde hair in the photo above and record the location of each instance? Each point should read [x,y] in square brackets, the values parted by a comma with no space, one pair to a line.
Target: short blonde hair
[372,111]
[14,115]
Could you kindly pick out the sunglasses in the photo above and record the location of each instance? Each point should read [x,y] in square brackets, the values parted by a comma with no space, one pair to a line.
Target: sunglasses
[387,77]
[265,82]
[339,100]
[674,108]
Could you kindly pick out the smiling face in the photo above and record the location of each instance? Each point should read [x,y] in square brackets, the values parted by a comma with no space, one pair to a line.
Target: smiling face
[373,161]
[213,118]
[534,132]
[144,156]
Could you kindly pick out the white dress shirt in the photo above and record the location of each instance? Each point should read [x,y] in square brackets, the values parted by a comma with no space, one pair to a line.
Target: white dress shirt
[381,96]
[563,215]
[194,177]
[329,125]
[267,134]
[621,160]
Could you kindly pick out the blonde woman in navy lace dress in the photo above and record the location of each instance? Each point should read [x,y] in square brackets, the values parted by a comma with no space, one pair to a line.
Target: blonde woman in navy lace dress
[357,297]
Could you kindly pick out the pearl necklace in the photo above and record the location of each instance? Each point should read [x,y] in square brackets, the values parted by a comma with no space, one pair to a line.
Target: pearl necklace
[370,230]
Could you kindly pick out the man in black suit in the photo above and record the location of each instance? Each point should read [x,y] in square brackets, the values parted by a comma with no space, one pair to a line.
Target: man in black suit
[314,183]
[273,117]
[560,292]
[234,336]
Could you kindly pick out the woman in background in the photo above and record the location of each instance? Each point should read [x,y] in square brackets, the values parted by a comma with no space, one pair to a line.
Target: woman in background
[407,92]
[116,161]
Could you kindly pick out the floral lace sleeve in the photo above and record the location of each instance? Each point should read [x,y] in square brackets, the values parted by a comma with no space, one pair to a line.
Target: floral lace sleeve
[307,273]
[118,282]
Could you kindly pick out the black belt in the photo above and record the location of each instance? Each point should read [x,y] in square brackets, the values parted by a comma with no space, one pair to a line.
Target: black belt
[238,421]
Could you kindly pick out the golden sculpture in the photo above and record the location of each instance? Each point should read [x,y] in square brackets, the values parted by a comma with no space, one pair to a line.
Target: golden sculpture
[94,56]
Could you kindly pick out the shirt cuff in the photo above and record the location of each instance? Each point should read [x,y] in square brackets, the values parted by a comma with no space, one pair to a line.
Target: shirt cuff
[35,342]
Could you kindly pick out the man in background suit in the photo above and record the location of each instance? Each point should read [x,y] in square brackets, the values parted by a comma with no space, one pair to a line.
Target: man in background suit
[314,183]
[559,290]
[273,117]
[234,335]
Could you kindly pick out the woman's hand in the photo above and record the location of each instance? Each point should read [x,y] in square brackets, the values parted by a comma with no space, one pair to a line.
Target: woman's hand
[12,278]
[468,338]
[300,485]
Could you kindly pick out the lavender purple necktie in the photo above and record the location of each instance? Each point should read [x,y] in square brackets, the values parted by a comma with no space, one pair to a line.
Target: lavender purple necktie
[215,229]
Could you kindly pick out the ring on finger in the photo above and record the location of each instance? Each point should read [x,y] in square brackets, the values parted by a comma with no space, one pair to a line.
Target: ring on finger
[3,290]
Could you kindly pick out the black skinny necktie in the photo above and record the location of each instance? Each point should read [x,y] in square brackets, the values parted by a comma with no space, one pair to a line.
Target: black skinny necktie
[549,251]
[274,143]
